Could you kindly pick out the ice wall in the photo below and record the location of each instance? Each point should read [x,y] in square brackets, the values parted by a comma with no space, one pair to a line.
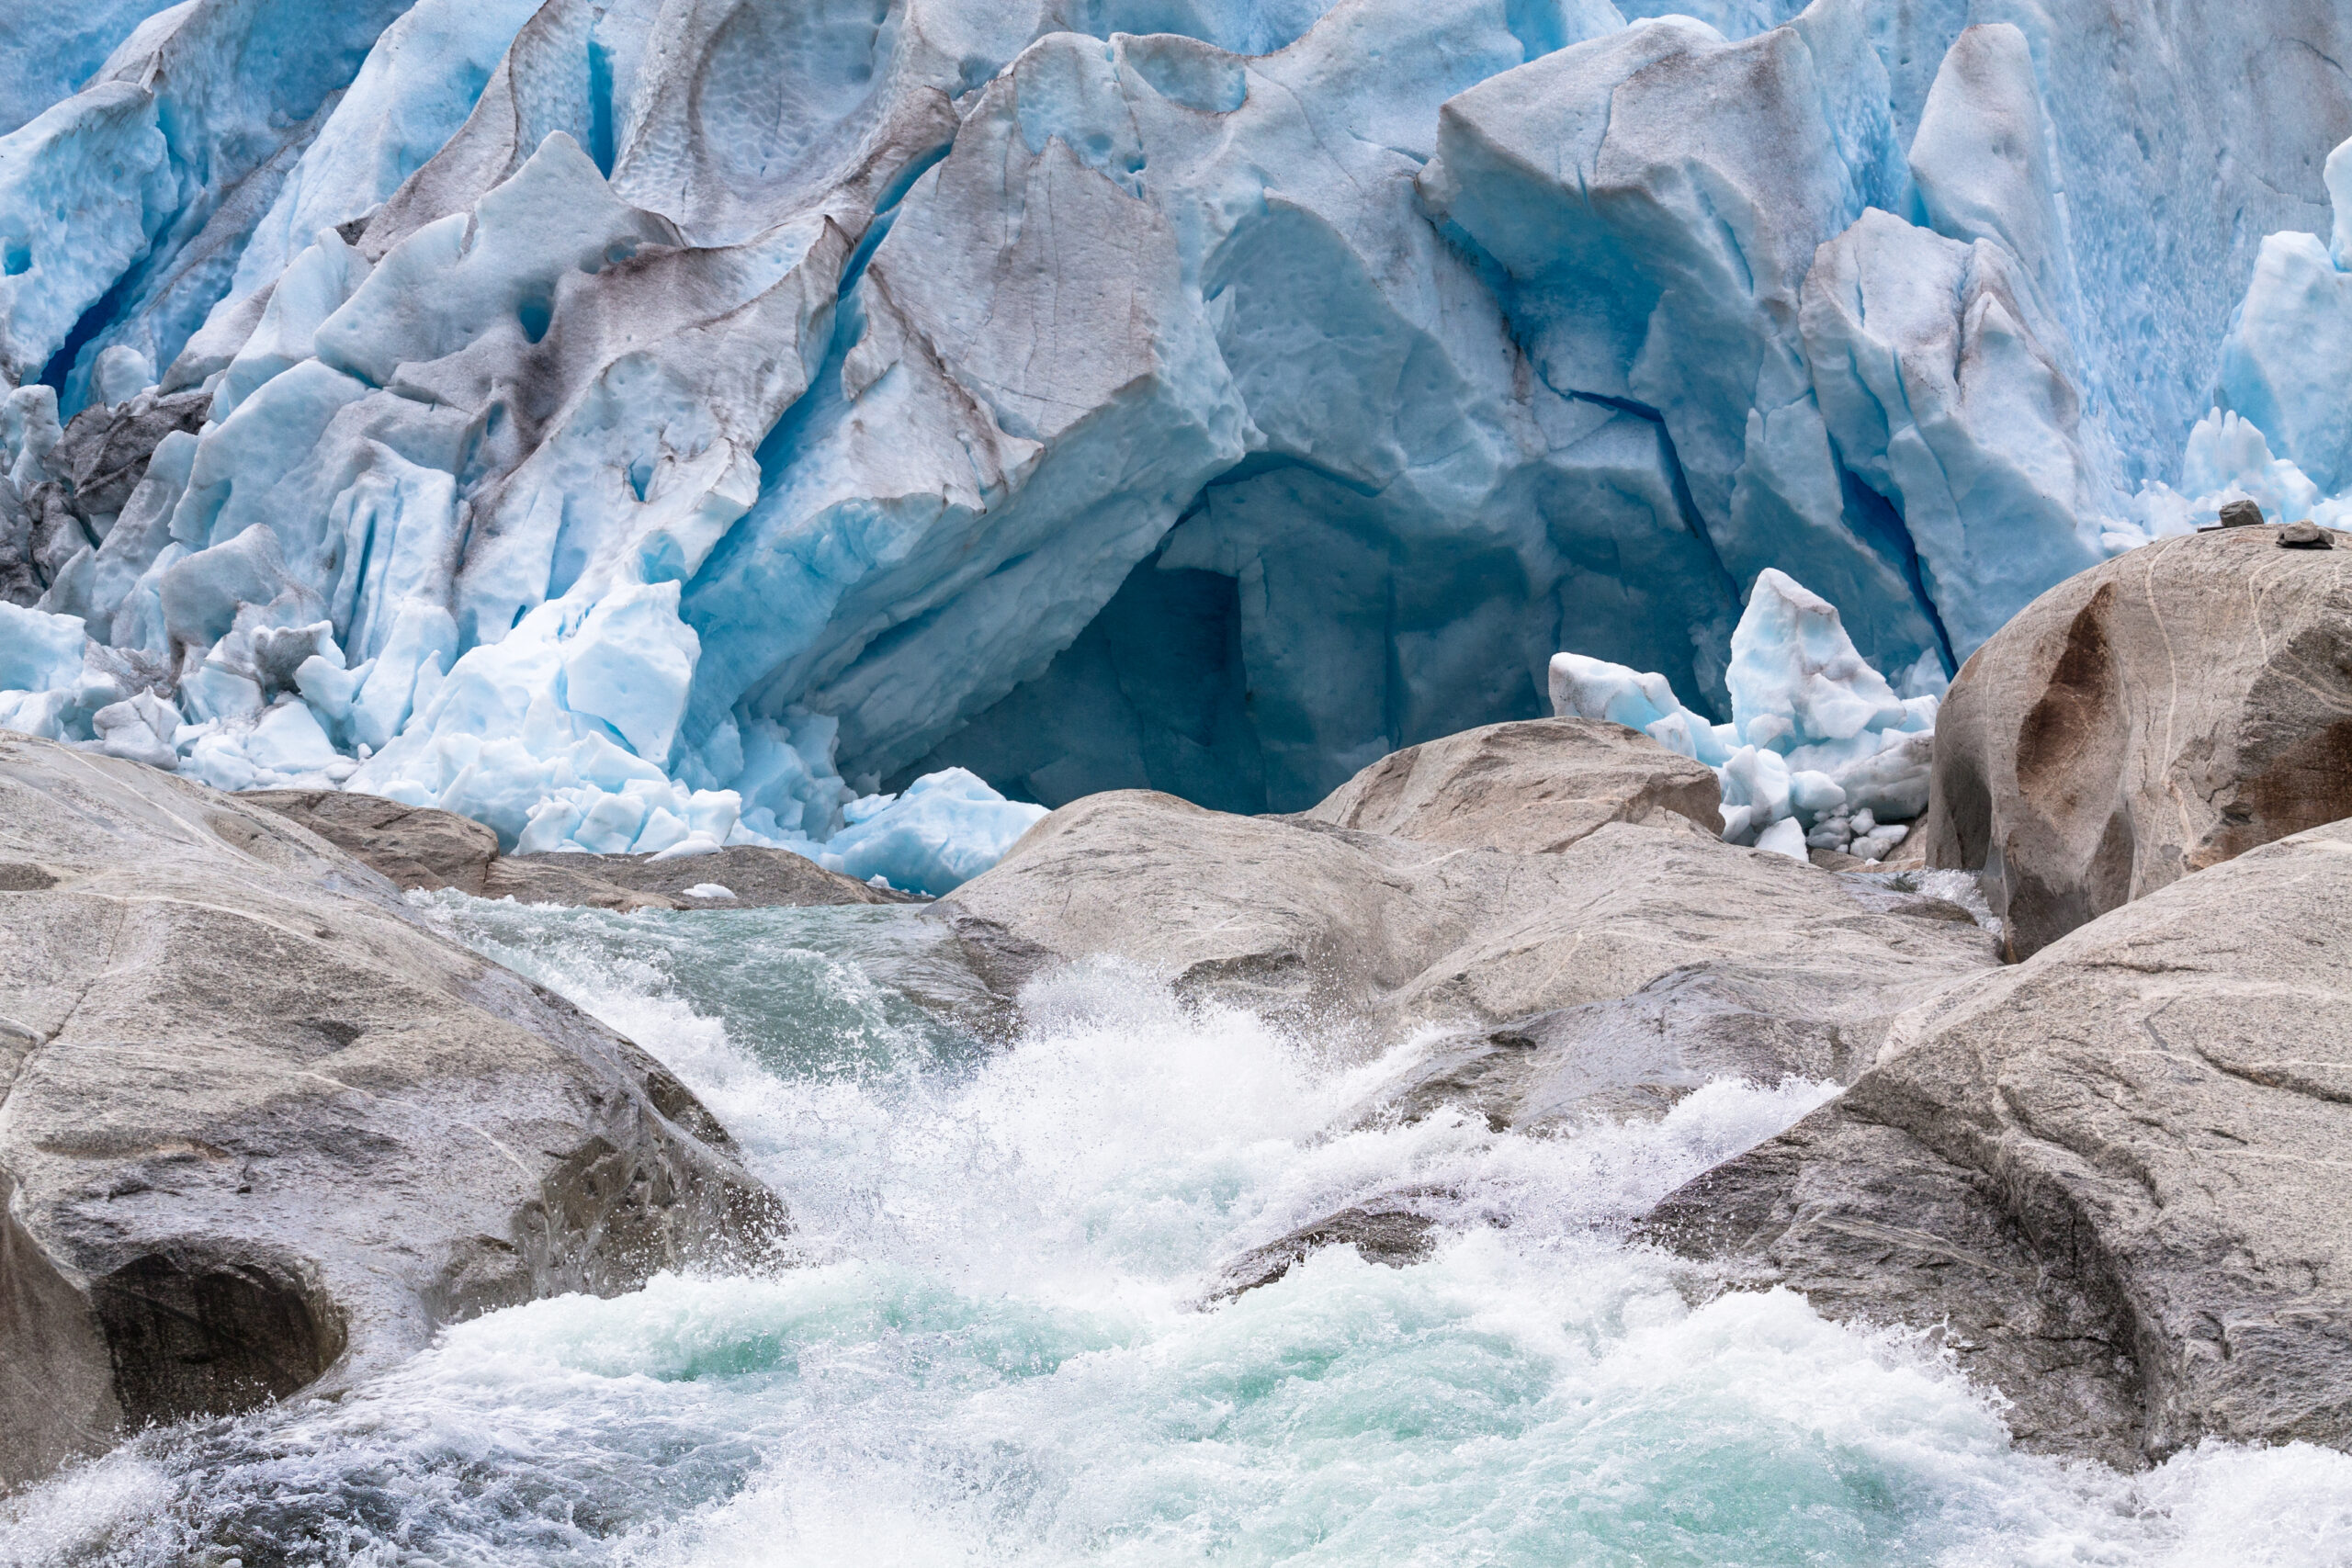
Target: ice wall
[655,422]
[2281,434]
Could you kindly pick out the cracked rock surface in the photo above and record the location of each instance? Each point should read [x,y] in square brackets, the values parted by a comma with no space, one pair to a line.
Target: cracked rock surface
[261,1131]
[2112,1176]
[2150,717]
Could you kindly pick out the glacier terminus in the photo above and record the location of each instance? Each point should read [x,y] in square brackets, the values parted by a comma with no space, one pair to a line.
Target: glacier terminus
[857,426]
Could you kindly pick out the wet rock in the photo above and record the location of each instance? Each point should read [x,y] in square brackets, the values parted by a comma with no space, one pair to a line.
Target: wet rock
[1386,1232]
[1535,787]
[264,1131]
[2153,717]
[758,878]
[1926,906]
[1633,1057]
[2103,1176]
[1876,1230]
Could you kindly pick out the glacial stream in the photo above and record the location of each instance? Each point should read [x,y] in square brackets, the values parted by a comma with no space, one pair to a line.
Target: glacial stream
[994,1350]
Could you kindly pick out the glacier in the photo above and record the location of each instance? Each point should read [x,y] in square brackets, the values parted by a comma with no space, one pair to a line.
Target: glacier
[1820,752]
[654,424]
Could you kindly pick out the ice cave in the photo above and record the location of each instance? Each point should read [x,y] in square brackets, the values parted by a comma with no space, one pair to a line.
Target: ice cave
[856,424]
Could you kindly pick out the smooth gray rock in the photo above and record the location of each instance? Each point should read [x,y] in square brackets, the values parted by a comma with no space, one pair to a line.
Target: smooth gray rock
[2110,1176]
[1761,1017]
[1535,787]
[1635,1055]
[2305,536]
[1671,945]
[2150,717]
[259,1127]
[1288,917]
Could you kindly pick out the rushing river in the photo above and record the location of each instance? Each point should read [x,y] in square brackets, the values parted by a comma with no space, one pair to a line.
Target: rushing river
[994,1350]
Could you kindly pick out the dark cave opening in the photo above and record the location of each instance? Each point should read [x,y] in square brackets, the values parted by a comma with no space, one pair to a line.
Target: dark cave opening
[1154,695]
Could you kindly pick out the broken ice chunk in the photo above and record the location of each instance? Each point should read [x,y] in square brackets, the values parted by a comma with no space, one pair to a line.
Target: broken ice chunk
[1783,837]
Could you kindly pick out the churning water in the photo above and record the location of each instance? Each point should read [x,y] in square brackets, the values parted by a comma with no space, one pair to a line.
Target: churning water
[994,1350]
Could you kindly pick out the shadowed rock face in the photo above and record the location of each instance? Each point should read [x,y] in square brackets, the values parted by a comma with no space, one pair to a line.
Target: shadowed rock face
[2108,1173]
[95,466]
[420,847]
[2150,717]
[104,451]
[415,846]
[1534,787]
[259,1127]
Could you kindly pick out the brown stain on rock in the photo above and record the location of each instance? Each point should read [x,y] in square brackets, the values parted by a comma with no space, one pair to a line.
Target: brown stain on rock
[2305,785]
[2081,694]
[2071,750]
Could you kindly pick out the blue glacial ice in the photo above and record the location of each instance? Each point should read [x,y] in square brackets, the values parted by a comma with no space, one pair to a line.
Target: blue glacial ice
[649,425]
[2281,432]
[1820,752]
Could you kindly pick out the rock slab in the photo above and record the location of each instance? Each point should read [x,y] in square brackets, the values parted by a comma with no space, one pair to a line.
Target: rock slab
[2113,1175]
[2155,716]
[758,878]
[422,847]
[1535,787]
[259,1127]
[415,846]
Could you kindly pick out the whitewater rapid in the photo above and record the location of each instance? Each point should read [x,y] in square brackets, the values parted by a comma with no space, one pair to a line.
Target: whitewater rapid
[992,1347]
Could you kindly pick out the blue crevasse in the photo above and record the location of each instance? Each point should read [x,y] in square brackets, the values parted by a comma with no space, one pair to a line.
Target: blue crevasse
[643,424]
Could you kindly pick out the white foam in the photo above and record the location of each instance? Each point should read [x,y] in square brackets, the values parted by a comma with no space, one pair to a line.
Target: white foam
[998,1355]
